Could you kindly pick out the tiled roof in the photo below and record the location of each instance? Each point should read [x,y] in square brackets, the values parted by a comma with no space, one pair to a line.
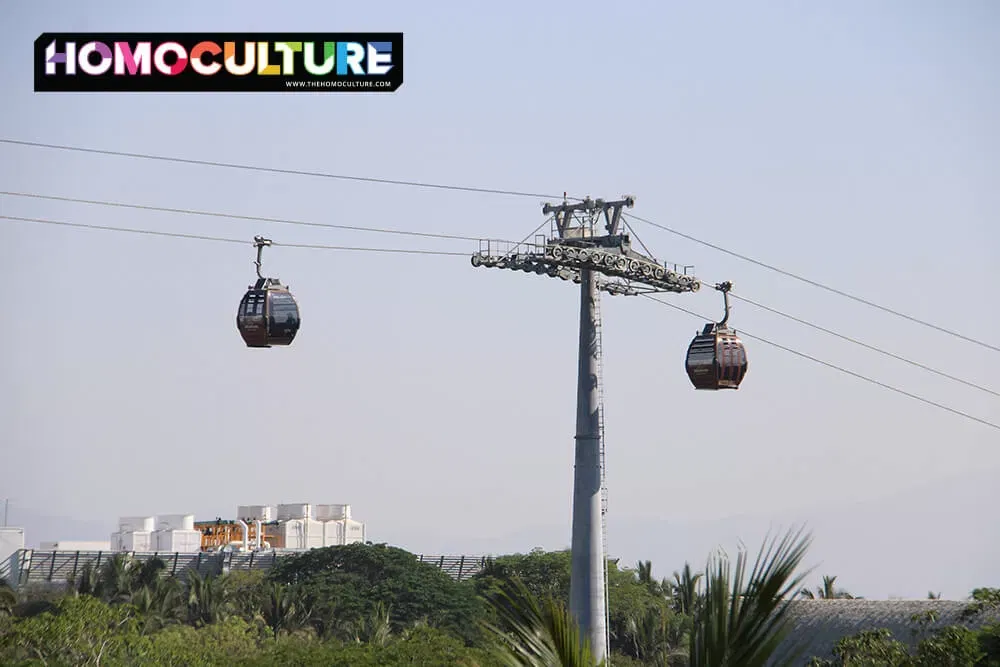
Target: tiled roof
[819,624]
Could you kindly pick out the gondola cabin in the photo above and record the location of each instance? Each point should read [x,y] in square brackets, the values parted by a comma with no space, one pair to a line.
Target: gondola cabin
[716,359]
[268,315]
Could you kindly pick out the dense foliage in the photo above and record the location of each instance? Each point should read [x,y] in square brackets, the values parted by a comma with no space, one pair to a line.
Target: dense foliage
[361,605]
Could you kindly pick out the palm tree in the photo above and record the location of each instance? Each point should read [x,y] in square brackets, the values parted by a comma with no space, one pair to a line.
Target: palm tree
[741,624]
[148,573]
[114,582]
[160,603]
[207,599]
[657,637]
[376,628]
[284,609]
[644,572]
[118,579]
[686,590]
[87,581]
[537,634]
[827,591]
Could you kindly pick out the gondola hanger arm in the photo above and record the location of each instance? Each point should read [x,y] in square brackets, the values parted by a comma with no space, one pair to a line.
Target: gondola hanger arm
[260,242]
[724,287]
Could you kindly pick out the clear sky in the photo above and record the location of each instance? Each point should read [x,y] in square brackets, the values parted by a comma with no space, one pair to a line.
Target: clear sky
[855,143]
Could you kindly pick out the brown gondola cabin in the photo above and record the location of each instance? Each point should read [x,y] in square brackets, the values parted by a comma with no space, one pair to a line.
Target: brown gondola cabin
[716,359]
[268,315]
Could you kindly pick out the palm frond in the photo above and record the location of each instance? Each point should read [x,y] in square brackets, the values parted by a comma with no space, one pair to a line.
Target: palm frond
[537,634]
[742,620]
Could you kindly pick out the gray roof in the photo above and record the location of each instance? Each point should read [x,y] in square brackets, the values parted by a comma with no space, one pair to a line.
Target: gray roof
[819,624]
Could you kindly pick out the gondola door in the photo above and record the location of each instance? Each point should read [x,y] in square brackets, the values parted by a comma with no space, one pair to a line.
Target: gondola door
[251,319]
[282,317]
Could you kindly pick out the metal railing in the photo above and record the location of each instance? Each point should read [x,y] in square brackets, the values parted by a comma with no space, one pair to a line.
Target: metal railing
[37,566]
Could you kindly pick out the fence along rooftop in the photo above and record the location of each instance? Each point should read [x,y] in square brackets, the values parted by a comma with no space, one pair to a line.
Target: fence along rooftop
[170,58]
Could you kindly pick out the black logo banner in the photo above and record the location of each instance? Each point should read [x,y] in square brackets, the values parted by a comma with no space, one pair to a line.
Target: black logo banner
[219,62]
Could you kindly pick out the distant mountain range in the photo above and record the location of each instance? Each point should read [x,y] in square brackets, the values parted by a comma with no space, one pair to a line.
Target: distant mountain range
[942,538]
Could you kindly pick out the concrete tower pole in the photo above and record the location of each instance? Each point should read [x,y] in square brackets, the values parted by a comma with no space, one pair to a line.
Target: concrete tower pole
[586,596]
[575,246]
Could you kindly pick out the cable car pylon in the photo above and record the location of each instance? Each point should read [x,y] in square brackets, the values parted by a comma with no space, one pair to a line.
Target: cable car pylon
[597,260]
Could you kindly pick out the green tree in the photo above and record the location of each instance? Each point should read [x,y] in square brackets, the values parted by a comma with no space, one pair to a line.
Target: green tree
[82,630]
[425,645]
[207,599]
[376,627]
[989,642]
[657,637]
[642,624]
[985,603]
[159,604]
[344,584]
[544,574]
[232,641]
[247,591]
[284,609]
[418,646]
[985,607]
[953,646]
[869,648]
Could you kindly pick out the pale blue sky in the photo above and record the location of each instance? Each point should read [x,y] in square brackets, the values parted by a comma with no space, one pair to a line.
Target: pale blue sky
[855,143]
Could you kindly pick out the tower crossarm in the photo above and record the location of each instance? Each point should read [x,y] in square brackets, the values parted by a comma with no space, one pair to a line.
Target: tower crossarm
[566,260]
[577,245]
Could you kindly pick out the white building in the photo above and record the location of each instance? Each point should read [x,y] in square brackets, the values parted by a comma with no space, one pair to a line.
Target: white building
[170,533]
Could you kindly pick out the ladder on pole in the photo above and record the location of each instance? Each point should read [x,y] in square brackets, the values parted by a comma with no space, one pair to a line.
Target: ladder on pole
[598,335]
